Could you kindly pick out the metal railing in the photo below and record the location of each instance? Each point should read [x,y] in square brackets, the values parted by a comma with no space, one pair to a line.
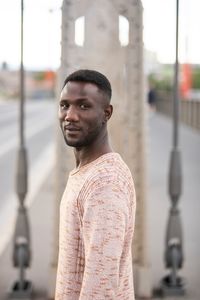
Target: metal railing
[189,109]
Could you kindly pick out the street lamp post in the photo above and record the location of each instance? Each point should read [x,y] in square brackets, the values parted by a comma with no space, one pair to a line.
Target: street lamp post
[172,284]
[22,288]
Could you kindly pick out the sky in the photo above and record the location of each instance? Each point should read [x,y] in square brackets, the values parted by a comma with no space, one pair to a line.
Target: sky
[42,23]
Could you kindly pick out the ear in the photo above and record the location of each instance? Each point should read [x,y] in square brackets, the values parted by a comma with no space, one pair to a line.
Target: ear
[108,112]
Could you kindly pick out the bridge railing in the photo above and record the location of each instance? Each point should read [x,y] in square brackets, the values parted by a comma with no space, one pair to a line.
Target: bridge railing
[189,109]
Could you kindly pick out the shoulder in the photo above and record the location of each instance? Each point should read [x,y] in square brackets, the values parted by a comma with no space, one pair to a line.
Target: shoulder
[109,172]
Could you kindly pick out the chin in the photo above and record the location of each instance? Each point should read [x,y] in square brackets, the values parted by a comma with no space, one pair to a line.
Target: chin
[74,144]
[85,141]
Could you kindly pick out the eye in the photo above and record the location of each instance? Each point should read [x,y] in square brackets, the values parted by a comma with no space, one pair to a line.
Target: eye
[84,106]
[64,106]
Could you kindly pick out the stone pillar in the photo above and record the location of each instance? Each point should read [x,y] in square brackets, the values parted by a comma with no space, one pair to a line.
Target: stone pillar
[123,65]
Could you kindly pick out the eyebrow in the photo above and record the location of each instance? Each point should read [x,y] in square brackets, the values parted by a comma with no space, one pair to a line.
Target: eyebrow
[77,100]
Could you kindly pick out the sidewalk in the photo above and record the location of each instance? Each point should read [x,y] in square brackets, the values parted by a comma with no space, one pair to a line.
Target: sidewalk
[158,203]
[41,222]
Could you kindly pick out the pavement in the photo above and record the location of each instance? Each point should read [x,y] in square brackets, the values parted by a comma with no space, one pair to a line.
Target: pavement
[41,214]
[158,201]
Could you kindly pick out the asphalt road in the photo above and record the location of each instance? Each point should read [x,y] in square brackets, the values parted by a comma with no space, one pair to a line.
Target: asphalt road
[158,200]
[40,119]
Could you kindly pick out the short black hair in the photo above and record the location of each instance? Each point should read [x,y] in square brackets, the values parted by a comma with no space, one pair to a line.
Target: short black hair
[91,76]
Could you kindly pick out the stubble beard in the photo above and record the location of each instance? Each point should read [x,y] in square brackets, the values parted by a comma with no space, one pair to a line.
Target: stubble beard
[84,141]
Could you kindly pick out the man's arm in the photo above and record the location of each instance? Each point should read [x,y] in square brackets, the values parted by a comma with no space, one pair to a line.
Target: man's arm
[105,220]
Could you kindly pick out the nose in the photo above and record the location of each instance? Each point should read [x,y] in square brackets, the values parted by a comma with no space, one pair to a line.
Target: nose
[71,114]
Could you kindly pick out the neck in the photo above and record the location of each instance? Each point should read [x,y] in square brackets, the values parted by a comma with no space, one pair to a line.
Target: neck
[85,155]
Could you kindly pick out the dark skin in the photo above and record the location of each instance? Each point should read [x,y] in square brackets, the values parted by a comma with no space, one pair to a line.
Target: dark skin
[83,114]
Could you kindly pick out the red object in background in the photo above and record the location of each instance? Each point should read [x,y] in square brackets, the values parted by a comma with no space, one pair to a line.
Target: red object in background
[49,75]
[186,80]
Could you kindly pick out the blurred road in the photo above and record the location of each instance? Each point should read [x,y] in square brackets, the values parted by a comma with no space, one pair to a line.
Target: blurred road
[40,117]
[158,204]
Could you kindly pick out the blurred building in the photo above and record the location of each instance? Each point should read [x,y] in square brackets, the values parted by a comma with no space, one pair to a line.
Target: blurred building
[38,84]
[151,63]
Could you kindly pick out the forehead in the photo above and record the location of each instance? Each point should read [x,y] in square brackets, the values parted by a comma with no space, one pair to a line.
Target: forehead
[80,89]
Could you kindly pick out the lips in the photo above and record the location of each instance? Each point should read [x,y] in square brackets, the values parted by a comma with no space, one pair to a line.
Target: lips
[71,128]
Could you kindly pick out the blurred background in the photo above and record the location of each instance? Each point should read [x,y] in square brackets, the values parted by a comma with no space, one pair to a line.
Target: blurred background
[167,216]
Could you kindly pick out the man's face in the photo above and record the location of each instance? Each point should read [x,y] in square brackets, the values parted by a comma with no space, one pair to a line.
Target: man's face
[82,113]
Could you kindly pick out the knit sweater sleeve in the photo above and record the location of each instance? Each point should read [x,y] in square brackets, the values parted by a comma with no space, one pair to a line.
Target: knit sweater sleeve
[105,222]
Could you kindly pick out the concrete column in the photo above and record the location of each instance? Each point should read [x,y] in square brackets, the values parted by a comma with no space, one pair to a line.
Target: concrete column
[124,67]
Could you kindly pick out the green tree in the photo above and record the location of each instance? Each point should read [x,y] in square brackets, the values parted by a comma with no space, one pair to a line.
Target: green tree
[196,78]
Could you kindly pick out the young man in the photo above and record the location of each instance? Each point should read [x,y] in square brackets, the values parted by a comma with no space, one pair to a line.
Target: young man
[97,211]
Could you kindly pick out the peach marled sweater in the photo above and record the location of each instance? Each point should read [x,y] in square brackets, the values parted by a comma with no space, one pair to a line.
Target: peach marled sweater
[97,215]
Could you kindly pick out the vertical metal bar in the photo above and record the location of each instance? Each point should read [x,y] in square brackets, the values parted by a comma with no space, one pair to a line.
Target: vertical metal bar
[21,128]
[22,288]
[176,84]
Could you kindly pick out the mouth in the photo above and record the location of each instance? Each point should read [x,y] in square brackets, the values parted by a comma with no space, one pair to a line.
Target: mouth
[70,128]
